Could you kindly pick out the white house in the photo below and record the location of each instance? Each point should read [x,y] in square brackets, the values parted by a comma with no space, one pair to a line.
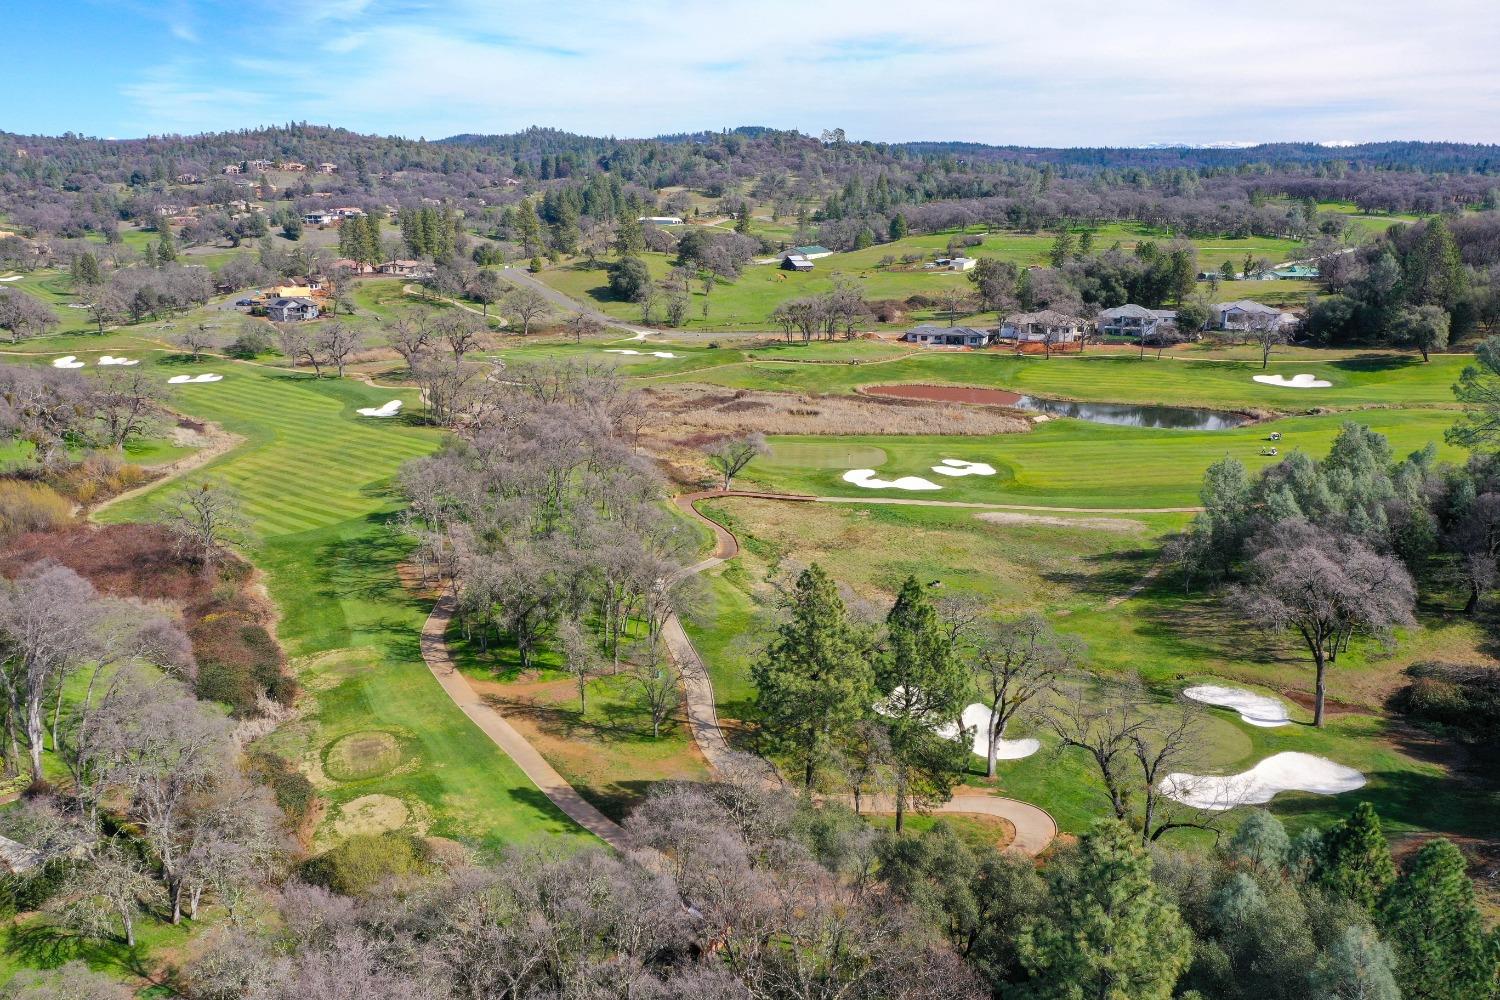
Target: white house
[660,220]
[319,218]
[1246,314]
[1131,320]
[948,336]
[1045,327]
[954,263]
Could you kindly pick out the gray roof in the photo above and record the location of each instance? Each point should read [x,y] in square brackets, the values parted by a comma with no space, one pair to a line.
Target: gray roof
[1132,311]
[1247,305]
[932,329]
[284,303]
[1046,317]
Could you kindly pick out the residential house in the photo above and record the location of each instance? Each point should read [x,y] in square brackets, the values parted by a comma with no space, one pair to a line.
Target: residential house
[291,310]
[260,166]
[796,262]
[347,211]
[406,268]
[1247,314]
[811,253]
[660,220]
[292,166]
[510,182]
[949,336]
[187,178]
[232,168]
[1134,321]
[328,168]
[1045,327]
[353,266]
[319,218]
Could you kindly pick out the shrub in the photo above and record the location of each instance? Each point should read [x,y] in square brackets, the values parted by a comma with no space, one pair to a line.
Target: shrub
[1465,698]
[628,276]
[294,793]
[365,860]
[30,507]
[251,343]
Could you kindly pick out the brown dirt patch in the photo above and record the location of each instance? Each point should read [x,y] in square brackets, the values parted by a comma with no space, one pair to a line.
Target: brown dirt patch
[362,755]
[701,412]
[1091,523]
[946,394]
[371,814]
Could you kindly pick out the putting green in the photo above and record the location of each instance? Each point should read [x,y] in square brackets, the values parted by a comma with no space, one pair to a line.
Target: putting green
[826,454]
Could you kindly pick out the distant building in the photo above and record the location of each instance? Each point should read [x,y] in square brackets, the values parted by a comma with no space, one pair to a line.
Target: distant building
[949,336]
[796,262]
[294,167]
[232,168]
[187,178]
[660,220]
[811,253]
[510,182]
[347,211]
[328,168]
[954,263]
[408,268]
[319,218]
[357,267]
[1044,327]
[260,166]
[1294,271]
[1247,314]
[1131,320]
[282,310]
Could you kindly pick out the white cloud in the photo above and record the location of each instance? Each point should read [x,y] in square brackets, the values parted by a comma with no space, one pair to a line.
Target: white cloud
[1071,72]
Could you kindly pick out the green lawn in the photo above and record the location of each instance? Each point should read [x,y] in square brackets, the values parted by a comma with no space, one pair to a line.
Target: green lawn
[317,482]
[1072,463]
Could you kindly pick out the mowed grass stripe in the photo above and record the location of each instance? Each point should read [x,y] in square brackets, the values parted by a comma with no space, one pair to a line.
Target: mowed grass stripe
[317,484]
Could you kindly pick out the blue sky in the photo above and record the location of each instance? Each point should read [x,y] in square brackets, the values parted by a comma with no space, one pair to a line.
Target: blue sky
[1068,72]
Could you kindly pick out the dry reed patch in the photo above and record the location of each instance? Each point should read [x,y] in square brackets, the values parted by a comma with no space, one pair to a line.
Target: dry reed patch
[700,411]
[1121,524]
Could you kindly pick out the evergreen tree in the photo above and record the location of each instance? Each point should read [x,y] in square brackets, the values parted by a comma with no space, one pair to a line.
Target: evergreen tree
[1432,922]
[923,684]
[742,220]
[898,228]
[629,239]
[814,679]
[1355,861]
[1357,966]
[1112,935]
[86,269]
[1062,248]
[166,247]
[864,239]
[1433,272]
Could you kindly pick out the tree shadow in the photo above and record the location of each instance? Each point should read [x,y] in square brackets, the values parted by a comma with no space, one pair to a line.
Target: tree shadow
[1106,574]
[45,945]
[1377,363]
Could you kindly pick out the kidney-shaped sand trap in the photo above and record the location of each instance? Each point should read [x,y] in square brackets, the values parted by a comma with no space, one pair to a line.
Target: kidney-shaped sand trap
[109,359]
[960,467]
[1302,381]
[186,379]
[385,410]
[866,478]
[68,361]
[1282,772]
[976,718]
[1256,709]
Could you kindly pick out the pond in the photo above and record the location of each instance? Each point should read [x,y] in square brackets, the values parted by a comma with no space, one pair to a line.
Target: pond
[1121,414]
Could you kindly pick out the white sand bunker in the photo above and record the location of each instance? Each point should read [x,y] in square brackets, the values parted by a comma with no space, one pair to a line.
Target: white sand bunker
[109,359]
[627,350]
[186,379]
[976,720]
[12,277]
[69,361]
[959,467]
[386,410]
[1282,772]
[1302,381]
[866,479]
[1256,709]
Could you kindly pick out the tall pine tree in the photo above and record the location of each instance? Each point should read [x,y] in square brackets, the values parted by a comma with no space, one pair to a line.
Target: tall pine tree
[1431,921]
[814,680]
[1111,934]
[1355,860]
[923,684]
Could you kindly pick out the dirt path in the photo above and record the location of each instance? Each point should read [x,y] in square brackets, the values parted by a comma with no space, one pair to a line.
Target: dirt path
[504,735]
[1035,828]
[219,442]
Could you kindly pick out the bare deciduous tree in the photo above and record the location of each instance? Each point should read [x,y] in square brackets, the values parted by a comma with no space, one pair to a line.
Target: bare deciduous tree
[1015,662]
[730,455]
[527,305]
[204,519]
[337,343]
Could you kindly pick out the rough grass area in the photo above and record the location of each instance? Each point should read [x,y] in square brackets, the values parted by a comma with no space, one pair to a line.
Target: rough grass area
[1077,577]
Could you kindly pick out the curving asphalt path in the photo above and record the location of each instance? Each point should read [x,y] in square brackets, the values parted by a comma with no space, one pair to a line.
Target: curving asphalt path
[1035,828]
